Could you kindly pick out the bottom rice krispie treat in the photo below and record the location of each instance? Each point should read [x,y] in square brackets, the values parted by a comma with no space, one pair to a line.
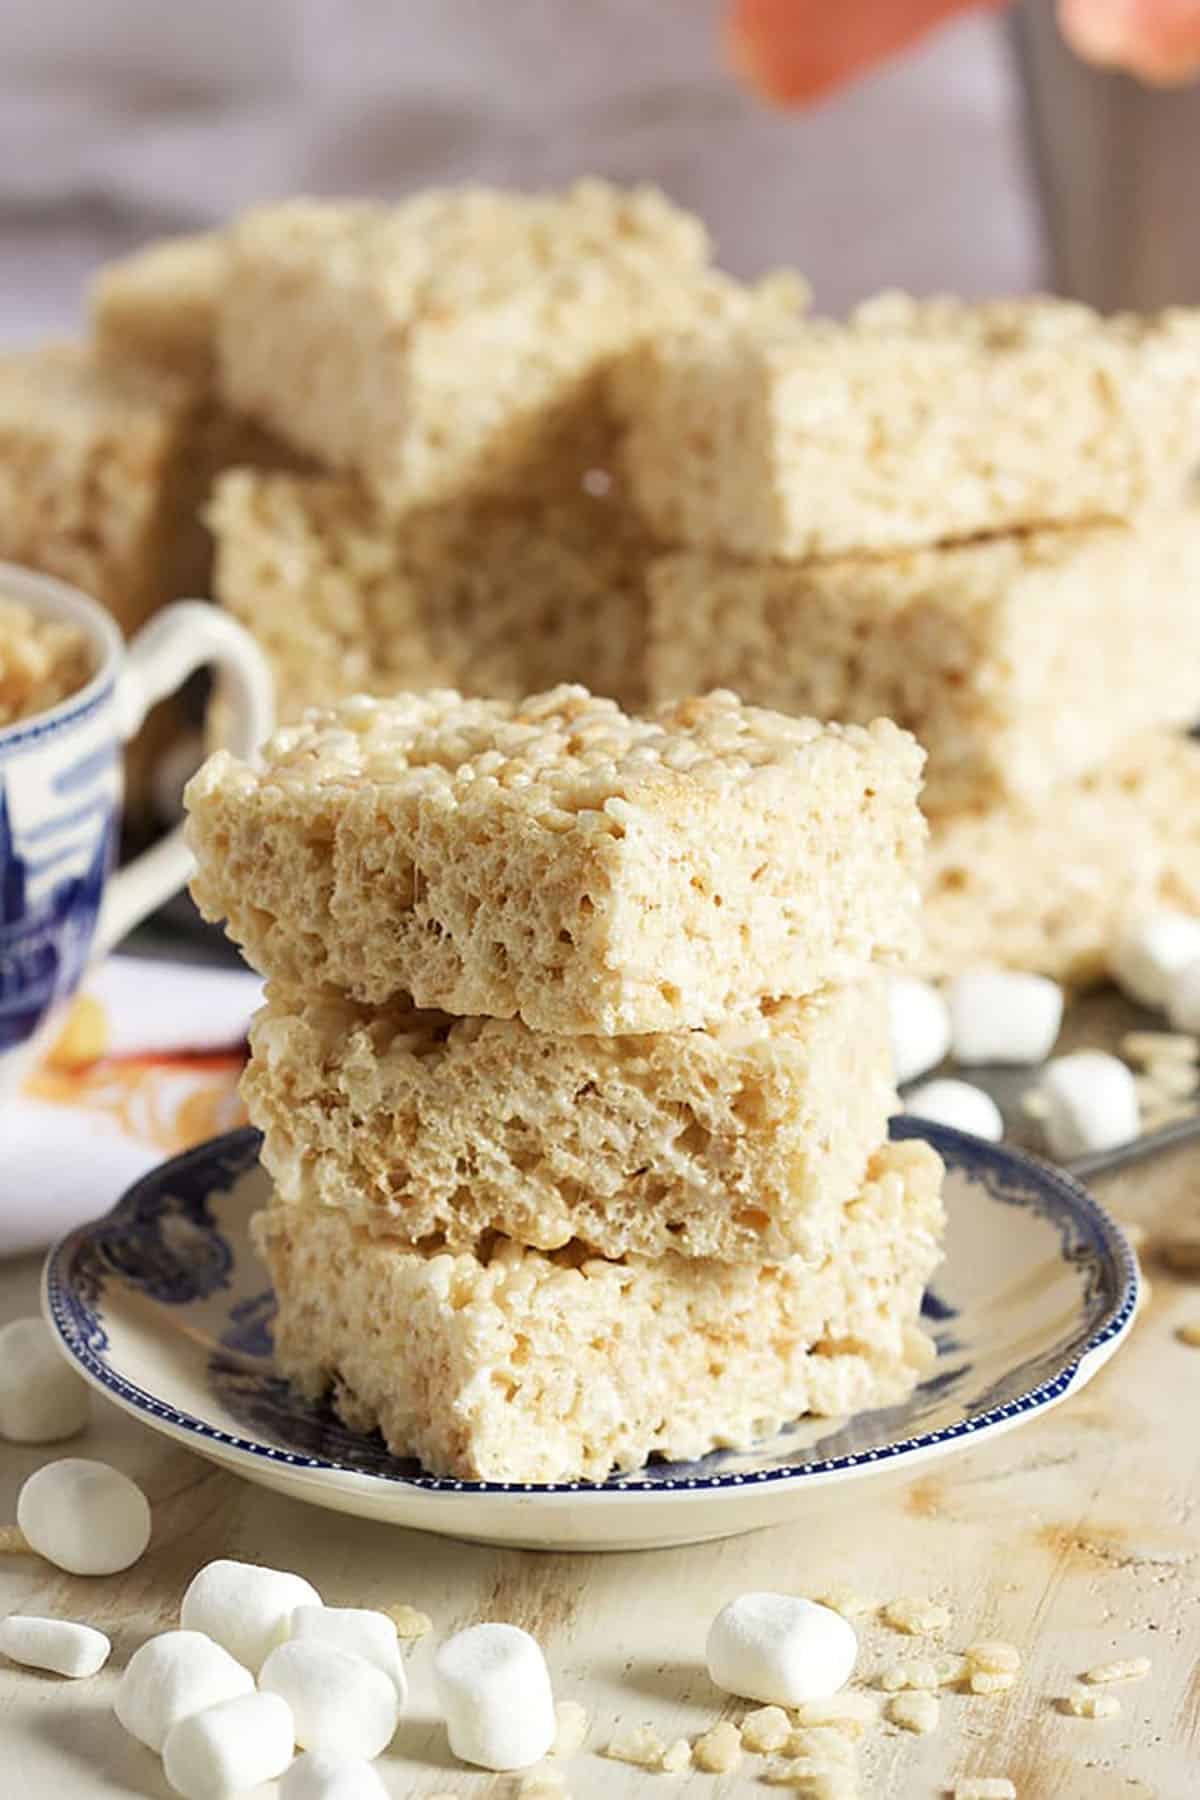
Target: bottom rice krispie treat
[1045,885]
[505,1364]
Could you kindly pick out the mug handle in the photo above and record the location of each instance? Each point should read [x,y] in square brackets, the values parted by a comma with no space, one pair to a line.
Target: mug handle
[177,641]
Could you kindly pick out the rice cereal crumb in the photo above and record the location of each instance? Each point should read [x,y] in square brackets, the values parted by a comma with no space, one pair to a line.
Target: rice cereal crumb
[1189,1333]
[985,1787]
[677,1757]
[1132,1668]
[642,1747]
[819,1781]
[951,1669]
[994,1656]
[917,1712]
[718,1751]
[766,1730]
[573,1722]
[847,1601]
[543,1784]
[1083,1705]
[848,1713]
[820,1744]
[915,1616]
[409,1622]
[991,1681]
[898,1676]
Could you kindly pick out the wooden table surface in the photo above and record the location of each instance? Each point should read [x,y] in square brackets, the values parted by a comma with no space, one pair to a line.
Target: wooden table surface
[1076,1537]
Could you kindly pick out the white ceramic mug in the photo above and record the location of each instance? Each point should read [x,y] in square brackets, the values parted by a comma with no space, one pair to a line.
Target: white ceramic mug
[61,905]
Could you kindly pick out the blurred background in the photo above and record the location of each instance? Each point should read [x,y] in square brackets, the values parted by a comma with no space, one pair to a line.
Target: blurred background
[986,158]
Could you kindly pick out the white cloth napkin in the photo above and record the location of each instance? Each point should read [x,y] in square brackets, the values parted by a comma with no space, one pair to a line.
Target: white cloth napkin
[72,1142]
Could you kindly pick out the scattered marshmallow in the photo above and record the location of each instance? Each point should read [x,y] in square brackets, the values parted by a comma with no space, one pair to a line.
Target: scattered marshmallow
[230,1747]
[340,1703]
[1091,1101]
[358,1631]
[1003,1016]
[493,1688]
[1183,998]
[780,1649]
[1150,951]
[246,1609]
[315,1776]
[84,1517]
[959,1104]
[172,1676]
[920,1026]
[55,1644]
[42,1399]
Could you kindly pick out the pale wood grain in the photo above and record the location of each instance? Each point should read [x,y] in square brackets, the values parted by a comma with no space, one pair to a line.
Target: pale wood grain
[1077,1538]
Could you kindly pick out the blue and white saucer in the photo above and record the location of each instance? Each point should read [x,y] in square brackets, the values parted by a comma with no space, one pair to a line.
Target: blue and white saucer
[165,1307]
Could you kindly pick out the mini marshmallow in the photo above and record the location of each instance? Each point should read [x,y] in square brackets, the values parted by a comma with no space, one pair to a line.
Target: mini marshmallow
[246,1609]
[55,1644]
[315,1776]
[1091,1103]
[42,1399]
[920,1026]
[493,1688]
[230,1747]
[172,1676]
[1150,951]
[359,1632]
[1003,1016]
[340,1703]
[1183,1000]
[780,1650]
[960,1104]
[84,1517]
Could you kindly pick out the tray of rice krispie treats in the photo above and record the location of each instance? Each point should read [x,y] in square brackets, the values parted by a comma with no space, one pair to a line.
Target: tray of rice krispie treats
[559,861]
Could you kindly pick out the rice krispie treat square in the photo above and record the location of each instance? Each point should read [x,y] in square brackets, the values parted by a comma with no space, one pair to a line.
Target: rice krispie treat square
[454,344]
[742,1143]
[557,860]
[158,307]
[509,1364]
[1046,884]
[498,598]
[1017,661]
[915,423]
[42,661]
[95,482]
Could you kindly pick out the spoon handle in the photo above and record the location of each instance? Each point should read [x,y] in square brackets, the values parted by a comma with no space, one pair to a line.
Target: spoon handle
[1181,1131]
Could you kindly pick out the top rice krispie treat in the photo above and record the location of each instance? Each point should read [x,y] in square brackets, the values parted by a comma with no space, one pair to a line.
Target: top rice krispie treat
[454,344]
[42,661]
[158,307]
[556,860]
[915,423]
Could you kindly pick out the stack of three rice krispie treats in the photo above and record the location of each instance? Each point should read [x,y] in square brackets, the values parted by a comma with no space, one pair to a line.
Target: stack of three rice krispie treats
[975,520]
[574,1073]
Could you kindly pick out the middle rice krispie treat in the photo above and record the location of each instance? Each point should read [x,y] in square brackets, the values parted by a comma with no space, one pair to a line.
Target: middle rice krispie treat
[556,860]
[741,1143]
[499,597]
[508,1364]
[914,423]
[1017,661]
